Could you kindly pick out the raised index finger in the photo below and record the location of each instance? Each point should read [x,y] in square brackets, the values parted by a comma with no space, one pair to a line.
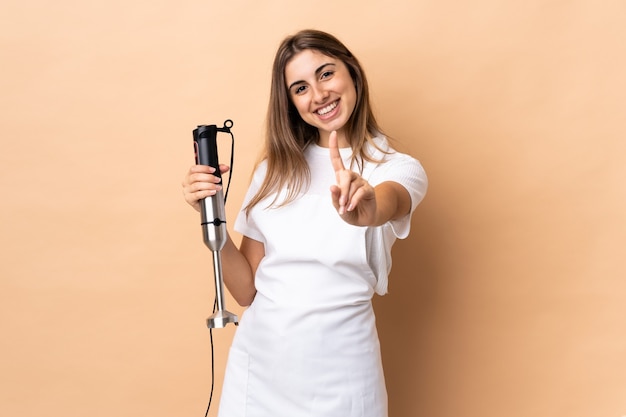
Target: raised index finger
[335,156]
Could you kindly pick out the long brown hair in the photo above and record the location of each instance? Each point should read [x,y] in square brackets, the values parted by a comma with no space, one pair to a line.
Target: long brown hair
[287,135]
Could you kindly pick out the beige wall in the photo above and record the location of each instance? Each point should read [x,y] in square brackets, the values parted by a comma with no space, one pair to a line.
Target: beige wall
[508,298]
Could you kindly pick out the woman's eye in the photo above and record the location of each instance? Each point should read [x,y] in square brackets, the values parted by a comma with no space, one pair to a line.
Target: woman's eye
[299,89]
[327,74]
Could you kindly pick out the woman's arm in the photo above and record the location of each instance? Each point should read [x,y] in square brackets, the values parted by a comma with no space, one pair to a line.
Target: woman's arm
[392,202]
[239,268]
[238,264]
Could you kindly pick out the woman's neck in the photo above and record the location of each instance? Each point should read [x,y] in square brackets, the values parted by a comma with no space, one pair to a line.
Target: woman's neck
[342,142]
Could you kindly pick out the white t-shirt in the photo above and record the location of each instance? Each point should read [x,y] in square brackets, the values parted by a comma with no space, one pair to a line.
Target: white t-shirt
[394,166]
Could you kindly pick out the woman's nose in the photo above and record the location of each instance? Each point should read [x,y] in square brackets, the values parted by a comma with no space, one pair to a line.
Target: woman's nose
[320,94]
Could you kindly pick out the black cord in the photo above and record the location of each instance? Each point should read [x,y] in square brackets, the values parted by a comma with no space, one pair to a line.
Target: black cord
[212,365]
[232,161]
[230,175]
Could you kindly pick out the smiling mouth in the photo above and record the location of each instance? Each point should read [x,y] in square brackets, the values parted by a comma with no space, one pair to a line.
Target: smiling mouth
[327,109]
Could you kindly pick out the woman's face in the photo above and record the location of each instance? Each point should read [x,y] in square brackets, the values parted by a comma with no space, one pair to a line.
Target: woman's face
[322,91]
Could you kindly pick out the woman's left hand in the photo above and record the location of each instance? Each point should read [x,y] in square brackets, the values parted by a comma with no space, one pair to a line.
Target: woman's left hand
[353,197]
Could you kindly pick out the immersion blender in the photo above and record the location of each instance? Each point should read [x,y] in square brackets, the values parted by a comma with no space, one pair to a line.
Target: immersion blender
[213,217]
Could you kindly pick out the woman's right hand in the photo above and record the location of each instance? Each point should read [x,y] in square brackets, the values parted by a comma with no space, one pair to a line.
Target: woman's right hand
[200,182]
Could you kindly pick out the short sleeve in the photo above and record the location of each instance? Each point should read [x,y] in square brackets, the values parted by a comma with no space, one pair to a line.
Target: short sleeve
[408,172]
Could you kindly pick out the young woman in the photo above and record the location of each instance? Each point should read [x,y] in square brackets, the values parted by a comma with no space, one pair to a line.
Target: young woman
[325,204]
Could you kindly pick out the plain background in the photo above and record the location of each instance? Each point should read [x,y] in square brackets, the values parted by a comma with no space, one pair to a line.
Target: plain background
[508,298]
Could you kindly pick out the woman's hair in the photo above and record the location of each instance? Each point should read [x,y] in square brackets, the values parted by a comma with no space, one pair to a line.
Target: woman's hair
[287,135]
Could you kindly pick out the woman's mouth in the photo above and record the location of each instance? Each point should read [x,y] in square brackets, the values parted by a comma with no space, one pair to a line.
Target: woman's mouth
[326,110]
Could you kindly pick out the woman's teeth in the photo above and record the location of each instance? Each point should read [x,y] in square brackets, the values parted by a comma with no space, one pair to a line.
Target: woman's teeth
[327,109]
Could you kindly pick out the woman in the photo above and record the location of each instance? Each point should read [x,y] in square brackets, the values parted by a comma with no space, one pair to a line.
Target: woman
[325,204]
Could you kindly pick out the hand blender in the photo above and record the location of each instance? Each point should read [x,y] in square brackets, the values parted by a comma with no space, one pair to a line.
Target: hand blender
[213,217]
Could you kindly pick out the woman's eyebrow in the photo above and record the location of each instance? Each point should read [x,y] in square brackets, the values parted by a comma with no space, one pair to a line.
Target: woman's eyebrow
[321,68]
[317,71]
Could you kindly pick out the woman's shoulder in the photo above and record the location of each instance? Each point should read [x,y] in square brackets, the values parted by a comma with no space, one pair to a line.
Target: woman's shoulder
[381,149]
[392,163]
